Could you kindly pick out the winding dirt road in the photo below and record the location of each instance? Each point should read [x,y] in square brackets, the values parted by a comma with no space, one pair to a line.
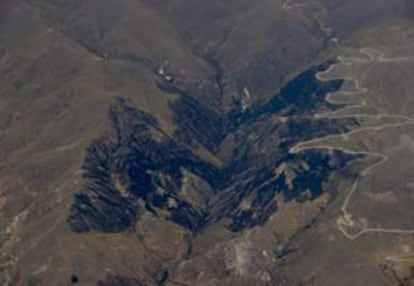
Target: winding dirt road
[345,223]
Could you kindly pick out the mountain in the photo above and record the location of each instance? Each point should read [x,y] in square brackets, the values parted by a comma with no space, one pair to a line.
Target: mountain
[224,142]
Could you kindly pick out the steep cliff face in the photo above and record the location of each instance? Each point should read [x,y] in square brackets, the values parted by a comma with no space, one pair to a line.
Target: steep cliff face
[139,168]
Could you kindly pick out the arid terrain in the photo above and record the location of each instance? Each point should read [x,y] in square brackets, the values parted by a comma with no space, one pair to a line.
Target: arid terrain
[201,143]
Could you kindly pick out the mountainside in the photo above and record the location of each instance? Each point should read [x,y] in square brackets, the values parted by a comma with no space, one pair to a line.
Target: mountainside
[155,142]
